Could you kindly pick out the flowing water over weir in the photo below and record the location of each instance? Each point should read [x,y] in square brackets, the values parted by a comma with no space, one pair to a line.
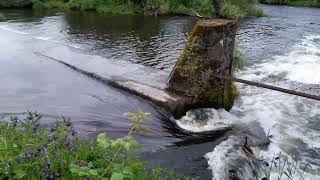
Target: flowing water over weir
[282,49]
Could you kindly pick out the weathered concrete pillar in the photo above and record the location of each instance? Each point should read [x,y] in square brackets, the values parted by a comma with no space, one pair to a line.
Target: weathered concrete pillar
[208,53]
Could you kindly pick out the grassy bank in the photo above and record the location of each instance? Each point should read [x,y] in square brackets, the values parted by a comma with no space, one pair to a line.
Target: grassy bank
[238,9]
[157,7]
[30,151]
[306,3]
[234,9]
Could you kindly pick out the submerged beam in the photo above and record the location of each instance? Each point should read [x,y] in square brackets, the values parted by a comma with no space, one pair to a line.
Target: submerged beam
[208,50]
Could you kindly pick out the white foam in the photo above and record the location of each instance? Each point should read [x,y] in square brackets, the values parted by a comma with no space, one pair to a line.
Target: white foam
[6,28]
[218,120]
[43,38]
[300,64]
[286,117]
[229,155]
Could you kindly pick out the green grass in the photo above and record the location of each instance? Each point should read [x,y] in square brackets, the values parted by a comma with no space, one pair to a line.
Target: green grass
[30,151]
[239,9]
[238,60]
[282,168]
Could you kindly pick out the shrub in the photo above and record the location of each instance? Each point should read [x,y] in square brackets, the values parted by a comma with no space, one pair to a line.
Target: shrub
[83,4]
[238,60]
[2,17]
[205,7]
[113,7]
[231,11]
[156,6]
[29,151]
[15,3]
[238,9]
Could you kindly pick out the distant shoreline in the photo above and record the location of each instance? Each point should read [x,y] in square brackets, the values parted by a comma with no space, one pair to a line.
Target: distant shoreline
[300,3]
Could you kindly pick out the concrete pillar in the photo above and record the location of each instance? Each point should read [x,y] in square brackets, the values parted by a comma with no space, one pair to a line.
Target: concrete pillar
[208,53]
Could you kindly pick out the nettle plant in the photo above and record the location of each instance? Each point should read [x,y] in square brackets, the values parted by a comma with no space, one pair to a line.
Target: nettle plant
[30,151]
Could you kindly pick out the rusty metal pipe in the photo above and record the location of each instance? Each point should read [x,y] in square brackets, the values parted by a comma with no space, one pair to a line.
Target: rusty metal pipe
[266,86]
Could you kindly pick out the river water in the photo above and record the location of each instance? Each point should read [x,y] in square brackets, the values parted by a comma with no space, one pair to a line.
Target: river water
[281,49]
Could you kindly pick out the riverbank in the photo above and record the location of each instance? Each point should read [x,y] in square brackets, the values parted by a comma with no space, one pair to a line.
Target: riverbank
[305,3]
[230,8]
[31,150]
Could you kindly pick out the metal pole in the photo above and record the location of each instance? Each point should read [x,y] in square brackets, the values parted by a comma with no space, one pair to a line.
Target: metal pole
[288,91]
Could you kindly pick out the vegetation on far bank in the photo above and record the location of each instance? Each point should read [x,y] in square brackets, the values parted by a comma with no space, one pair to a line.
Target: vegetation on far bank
[238,9]
[30,151]
[2,18]
[307,3]
[235,9]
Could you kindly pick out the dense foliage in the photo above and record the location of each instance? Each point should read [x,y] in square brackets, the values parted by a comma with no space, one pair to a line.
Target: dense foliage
[15,3]
[228,8]
[315,3]
[204,7]
[237,9]
[2,18]
[29,151]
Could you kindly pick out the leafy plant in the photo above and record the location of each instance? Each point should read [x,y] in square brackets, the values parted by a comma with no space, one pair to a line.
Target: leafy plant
[30,151]
[283,168]
[238,60]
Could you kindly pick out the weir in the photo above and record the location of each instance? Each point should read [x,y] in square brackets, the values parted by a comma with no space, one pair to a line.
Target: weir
[191,84]
[208,51]
[201,78]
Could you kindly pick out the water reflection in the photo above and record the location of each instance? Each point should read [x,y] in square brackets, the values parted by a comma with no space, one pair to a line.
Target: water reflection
[150,41]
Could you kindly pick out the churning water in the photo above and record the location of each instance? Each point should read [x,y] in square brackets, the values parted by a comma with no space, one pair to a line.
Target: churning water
[292,123]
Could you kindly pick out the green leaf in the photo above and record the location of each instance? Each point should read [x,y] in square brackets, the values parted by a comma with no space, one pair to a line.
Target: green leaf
[117,143]
[80,171]
[3,143]
[131,116]
[117,176]
[130,142]
[19,173]
[128,171]
[93,172]
[137,165]
[103,141]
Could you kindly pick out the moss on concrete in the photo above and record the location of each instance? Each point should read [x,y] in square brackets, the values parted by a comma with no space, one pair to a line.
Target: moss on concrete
[195,74]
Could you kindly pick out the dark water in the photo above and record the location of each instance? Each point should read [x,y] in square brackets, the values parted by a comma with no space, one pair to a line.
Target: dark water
[31,82]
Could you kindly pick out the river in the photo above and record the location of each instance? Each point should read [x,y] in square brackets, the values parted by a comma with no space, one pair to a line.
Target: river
[281,49]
